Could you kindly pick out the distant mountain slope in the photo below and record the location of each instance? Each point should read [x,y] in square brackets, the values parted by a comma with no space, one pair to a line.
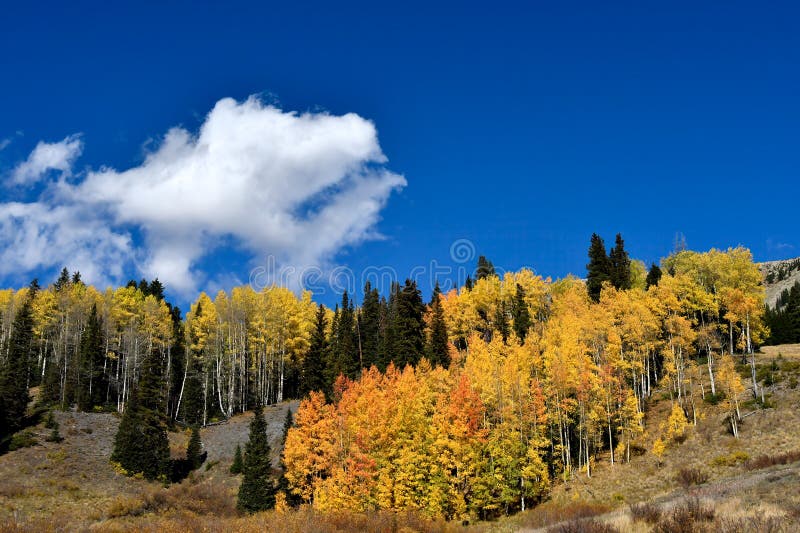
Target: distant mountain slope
[779,276]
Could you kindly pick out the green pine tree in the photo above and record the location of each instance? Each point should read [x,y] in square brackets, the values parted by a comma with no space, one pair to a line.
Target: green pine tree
[14,396]
[313,371]
[653,275]
[257,490]
[408,327]
[194,448]
[485,268]
[598,269]
[501,321]
[92,383]
[369,326]
[141,444]
[521,314]
[238,464]
[438,347]
[620,265]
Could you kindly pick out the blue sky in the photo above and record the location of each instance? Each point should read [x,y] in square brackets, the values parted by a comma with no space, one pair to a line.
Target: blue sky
[521,127]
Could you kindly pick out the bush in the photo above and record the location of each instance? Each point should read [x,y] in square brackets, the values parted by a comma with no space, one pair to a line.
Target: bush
[583,526]
[645,512]
[685,518]
[22,439]
[732,459]
[765,461]
[687,477]
[714,399]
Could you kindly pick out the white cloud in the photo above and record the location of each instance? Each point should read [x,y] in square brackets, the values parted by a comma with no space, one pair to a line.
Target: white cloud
[48,156]
[4,143]
[297,186]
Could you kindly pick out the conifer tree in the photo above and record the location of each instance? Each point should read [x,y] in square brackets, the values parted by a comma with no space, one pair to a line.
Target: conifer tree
[521,314]
[598,269]
[501,321]
[438,347]
[369,326]
[344,345]
[238,463]
[468,284]
[14,396]
[63,280]
[257,490]
[653,275]
[485,268]
[193,448]
[92,383]
[314,361]
[408,328]
[141,444]
[620,265]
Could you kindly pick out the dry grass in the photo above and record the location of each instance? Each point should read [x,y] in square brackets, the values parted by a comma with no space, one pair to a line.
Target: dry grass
[788,351]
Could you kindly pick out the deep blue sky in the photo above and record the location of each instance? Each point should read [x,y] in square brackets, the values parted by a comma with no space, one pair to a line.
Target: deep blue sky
[523,127]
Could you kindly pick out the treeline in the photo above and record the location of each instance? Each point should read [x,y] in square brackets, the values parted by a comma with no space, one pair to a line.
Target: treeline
[519,407]
[784,319]
[467,405]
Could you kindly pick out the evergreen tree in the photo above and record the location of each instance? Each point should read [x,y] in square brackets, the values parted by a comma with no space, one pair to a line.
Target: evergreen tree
[485,268]
[389,326]
[92,353]
[344,345]
[156,288]
[521,314]
[141,444]
[653,275]
[369,326]
[501,321]
[620,265]
[468,284]
[14,396]
[257,490]
[63,280]
[314,361]
[238,463]
[193,449]
[408,327]
[598,269]
[438,348]
[76,278]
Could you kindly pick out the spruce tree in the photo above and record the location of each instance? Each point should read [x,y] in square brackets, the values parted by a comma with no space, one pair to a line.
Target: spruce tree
[521,314]
[501,321]
[14,396]
[193,449]
[257,490]
[438,347]
[468,284]
[369,326]
[141,444]
[313,378]
[92,383]
[653,275]
[62,281]
[408,328]
[485,268]
[238,463]
[620,265]
[598,269]
[344,346]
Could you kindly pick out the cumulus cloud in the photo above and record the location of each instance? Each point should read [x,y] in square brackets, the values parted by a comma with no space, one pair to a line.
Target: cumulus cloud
[57,156]
[299,187]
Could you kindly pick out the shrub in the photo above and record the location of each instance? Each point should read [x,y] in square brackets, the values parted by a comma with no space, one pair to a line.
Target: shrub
[685,518]
[583,526]
[550,513]
[732,459]
[22,439]
[765,461]
[687,477]
[645,512]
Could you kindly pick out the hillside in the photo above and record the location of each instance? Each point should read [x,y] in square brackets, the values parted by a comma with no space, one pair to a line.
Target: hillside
[74,482]
[779,276]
